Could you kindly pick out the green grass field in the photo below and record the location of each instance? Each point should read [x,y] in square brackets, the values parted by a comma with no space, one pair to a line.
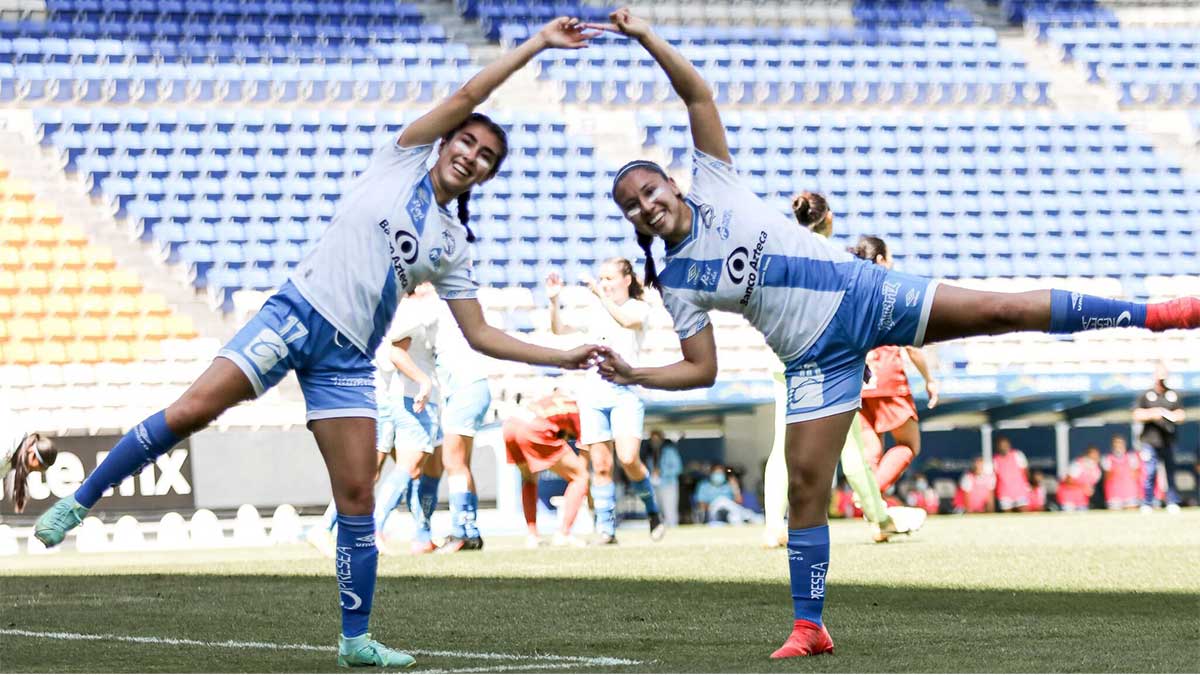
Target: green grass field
[1101,592]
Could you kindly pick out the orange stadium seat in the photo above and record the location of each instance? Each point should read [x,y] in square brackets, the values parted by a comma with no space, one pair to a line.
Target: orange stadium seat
[115,351]
[69,235]
[96,281]
[46,214]
[152,304]
[57,329]
[124,304]
[29,306]
[19,190]
[10,258]
[59,304]
[42,235]
[125,281]
[8,283]
[12,235]
[67,281]
[20,353]
[181,327]
[94,305]
[152,328]
[89,329]
[121,328]
[98,258]
[21,329]
[50,352]
[6,308]
[83,352]
[39,258]
[17,213]
[68,258]
[34,281]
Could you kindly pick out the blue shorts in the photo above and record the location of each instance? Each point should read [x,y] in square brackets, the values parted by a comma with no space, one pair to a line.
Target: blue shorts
[610,412]
[403,429]
[288,334]
[466,408]
[879,308]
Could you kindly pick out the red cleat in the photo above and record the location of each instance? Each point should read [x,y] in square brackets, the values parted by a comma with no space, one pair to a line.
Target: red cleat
[807,639]
[1177,313]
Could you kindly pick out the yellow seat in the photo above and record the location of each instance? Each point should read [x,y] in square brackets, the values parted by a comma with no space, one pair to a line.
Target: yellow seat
[34,281]
[57,329]
[21,329]
[39,258]
[96,281]
[99,258]
[152,328]
[83,352]
[50,352]
[46,214]
[70,235]
[20,190]
[181,327]
[6,307]
[10,258]
[68,258]
[68,282]
[89,329]
[93,305]
[29,306]
[13,235]
[8,283]
[59,304]
[43,235]
[124,304]
[125,281]
[19,353]
[153,304]
[121,328]
[17,213]
[116,351]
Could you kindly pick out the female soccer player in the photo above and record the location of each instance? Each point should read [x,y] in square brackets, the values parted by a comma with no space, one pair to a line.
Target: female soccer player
[887,403]
[392,231]
[535,439]
[22,452]
[613,415]
[812,211]
[820,309]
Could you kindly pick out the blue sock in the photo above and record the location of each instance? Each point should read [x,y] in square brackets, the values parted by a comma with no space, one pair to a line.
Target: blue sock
[458,508]
[808,562]
[1075,312]
[356,561]
[392,490]
[604,500]
[422,503]
[136,449]
[472,506]
[645,492]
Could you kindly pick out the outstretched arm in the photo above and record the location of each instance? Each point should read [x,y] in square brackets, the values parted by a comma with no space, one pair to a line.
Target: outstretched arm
[708,134]
[562,33]
[697,369]
[489,340]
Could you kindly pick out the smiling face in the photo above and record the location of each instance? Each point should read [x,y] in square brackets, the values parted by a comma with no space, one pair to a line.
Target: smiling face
[467,158]
[614,283]
[654,204]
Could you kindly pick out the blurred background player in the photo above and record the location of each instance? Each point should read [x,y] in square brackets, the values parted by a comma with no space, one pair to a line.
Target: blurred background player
[1075,490]
[1160,412]
[976,489]
[612,415]
[887,402]
[537,438]
[415,422]
[1123,476]
[719,499]
[1012,476]
[667,467]
[22,452]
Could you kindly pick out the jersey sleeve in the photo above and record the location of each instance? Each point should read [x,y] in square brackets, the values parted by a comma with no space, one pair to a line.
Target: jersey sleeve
[689,319]
[459,283]
[711,177]
[394,157]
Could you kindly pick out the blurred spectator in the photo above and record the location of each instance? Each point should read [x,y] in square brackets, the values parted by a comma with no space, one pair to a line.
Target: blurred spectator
[720,499]
[1160,411]
[1122,476]
[1076,489]
[976,489]
[1037,492]
[666,466]
[923,496]
[1012,476]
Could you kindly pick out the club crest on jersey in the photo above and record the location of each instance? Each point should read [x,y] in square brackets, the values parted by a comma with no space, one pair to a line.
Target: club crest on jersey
[806,387]
[723,229]
[418,204]
[448,243]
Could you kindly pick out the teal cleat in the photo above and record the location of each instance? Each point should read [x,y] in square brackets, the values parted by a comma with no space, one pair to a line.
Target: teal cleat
[52,527]
[363,651]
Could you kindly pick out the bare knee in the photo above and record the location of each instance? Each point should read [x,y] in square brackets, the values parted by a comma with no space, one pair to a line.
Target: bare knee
[808,490]
[355,497]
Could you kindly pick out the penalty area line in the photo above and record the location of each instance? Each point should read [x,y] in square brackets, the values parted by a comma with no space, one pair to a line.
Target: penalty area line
[548,660]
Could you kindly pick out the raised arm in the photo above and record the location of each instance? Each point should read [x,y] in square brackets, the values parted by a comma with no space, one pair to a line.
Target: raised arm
[554,286]
[562,33]
[491,341]
[708,134]
[698,368]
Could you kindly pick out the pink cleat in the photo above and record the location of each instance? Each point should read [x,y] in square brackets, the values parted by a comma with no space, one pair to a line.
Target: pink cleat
[807,639]
[1177,313]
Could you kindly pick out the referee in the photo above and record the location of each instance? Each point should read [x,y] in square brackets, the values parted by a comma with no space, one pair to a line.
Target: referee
[1160,412]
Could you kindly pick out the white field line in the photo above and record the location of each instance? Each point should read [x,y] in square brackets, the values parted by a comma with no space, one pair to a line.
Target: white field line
[549,660]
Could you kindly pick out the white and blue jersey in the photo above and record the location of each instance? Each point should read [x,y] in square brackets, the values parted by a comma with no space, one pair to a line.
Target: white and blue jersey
[608,411]
[387,236]
[416,321]
[462,372]
[819,308]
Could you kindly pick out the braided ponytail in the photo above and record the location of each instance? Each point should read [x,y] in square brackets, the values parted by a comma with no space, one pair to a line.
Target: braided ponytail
[464,215]
[651,273]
